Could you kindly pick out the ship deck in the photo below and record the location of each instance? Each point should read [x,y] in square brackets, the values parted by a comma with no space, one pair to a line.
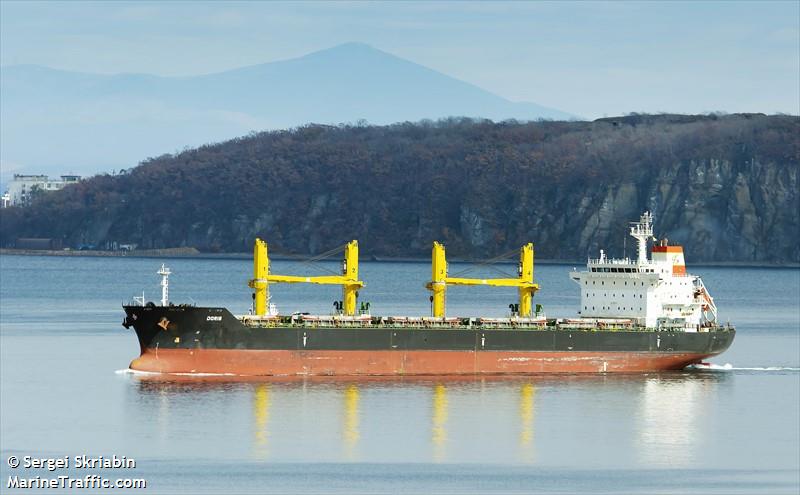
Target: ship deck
[459,323]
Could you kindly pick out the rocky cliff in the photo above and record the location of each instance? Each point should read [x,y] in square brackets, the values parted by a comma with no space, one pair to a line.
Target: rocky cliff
[726,187]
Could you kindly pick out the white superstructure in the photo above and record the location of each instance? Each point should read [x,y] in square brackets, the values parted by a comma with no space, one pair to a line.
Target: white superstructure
[656,292]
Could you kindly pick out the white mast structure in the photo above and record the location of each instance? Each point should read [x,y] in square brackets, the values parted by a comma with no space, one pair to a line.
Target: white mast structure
[165,273]
[642,231]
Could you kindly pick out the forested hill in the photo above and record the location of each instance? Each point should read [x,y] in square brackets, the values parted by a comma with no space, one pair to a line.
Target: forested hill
[726,187]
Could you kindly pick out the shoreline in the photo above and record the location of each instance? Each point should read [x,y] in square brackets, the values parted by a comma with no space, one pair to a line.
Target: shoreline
[195,254]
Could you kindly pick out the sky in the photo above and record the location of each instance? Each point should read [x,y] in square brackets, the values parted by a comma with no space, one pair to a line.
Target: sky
[590,59]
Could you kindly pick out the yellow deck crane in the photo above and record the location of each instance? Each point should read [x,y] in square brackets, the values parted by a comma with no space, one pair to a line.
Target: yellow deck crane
[440,280]
[348,279]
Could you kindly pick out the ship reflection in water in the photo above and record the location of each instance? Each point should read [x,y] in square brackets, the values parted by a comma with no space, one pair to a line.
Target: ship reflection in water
[647,420]
[672,421]
[439,423]
[260,420]
[351,435]
[526,405]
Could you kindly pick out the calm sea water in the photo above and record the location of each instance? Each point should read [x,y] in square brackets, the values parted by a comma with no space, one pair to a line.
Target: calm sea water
[64,391]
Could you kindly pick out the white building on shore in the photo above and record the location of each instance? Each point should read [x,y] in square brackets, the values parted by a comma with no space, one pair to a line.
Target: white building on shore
[23,188]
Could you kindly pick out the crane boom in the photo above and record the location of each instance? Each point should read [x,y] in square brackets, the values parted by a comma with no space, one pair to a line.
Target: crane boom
[440,280]
[348,279]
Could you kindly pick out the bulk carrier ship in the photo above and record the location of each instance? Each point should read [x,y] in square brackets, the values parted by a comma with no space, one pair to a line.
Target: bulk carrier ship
[636,315]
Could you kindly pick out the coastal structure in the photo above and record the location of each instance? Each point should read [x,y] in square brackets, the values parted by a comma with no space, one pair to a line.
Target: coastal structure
[23,188]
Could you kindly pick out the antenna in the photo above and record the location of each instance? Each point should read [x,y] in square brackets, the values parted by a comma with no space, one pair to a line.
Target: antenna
[625,247]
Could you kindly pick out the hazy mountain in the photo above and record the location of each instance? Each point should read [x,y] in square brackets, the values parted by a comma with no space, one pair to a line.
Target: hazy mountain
[56,121]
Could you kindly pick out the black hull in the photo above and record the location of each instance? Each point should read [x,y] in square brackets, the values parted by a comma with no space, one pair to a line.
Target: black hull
[214,334]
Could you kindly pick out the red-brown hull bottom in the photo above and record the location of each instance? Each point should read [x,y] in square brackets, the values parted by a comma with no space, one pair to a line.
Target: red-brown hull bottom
[386,363]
